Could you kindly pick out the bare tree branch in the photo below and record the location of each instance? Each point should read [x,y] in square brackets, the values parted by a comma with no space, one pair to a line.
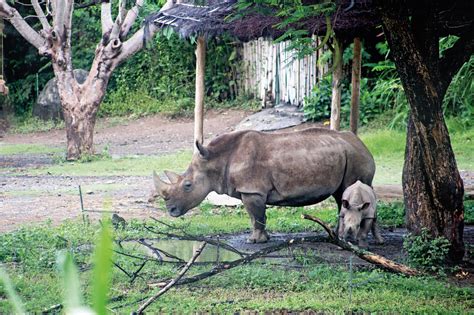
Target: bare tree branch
[106,17]
[41,16]
[121,11]
[130,18]
[135,43]
[320,222]
[455,57]
[370,257]
[172,282]
[33,37]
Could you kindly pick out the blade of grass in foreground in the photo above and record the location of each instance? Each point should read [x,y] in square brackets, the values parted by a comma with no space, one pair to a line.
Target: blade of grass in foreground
[71,283]
[102,269]
[11,294]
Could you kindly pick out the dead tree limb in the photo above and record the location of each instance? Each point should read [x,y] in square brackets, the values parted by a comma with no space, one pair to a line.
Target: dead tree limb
[174,281]
[320,222]
[370,257]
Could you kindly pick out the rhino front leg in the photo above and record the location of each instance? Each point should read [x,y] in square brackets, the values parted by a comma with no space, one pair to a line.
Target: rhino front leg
[376,233]
[255,205]
[365,226]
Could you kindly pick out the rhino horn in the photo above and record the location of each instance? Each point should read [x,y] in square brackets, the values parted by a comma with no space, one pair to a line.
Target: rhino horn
[160,185]
[172,176]
[203,151]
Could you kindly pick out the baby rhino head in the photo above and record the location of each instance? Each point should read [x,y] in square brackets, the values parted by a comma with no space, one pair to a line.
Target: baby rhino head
[358,203]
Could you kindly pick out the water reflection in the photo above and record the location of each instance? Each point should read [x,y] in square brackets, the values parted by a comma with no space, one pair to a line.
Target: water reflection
[185,250]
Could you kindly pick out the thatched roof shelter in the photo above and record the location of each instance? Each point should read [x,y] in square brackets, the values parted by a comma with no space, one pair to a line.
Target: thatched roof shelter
[208,18]
[195,18]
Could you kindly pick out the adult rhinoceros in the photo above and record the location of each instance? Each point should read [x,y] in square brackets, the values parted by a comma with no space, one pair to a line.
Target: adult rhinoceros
[285,169]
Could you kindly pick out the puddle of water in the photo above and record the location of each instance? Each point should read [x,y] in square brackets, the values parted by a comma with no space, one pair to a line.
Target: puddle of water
[186,249]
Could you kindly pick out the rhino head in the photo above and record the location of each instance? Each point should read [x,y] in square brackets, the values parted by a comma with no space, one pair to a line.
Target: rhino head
[186,191]
[356,205]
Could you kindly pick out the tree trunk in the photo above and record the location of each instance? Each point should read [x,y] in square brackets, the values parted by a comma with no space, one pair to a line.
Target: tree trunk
[336,87]
[80,134]
[199,97]
[433,189]
[355,95]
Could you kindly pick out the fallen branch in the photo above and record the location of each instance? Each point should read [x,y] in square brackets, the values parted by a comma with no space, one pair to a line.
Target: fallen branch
[370,257]
[320,222]
[172,282]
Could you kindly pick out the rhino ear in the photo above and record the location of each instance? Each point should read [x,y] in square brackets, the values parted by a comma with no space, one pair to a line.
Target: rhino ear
[345,204]
[204,152]
[172,176]
[160,185]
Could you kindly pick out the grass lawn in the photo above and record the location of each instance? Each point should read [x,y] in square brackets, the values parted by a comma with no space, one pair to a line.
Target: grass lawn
[11,149]
[29,256]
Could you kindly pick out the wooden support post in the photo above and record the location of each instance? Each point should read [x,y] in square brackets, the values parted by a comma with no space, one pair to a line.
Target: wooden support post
[355,95]
[199,99]
[336,86]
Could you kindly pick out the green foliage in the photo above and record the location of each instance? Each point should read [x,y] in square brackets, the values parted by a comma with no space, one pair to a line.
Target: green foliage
[28,124]
[468,211]
[35,248]
[161,80]
[382,92]
[391,214]
[318,106]
[426,252]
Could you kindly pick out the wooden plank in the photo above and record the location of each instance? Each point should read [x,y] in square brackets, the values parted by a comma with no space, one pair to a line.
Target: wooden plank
[199,97]
[355,94]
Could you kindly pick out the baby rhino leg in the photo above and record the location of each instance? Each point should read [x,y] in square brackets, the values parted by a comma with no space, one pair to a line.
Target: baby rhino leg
[365,226]
[376,233]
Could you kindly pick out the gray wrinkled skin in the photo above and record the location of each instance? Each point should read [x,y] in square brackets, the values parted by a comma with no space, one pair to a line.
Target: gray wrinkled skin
[359,214]
[284,169]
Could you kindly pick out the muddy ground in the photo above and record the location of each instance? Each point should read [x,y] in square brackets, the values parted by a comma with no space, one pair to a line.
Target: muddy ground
[27,199]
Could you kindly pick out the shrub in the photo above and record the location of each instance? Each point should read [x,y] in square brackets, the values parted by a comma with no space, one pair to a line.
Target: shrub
[426,252]
[318,106]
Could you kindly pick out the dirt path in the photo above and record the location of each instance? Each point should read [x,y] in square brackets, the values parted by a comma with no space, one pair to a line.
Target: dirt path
[26,199]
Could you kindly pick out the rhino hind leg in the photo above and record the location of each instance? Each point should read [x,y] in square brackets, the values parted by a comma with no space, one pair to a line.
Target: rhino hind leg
[338,197]
[255,205]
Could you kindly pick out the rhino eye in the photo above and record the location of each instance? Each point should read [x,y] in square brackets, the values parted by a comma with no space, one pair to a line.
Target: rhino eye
[187,185]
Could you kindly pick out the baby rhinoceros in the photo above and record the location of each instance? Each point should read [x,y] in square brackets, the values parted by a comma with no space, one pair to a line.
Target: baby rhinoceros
[358,214]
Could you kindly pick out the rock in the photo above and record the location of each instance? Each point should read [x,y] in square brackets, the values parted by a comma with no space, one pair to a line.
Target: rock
[48,105]
[279,117]
[222,200]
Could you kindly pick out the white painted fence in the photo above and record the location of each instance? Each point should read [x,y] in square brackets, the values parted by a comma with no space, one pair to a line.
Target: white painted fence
[271,73]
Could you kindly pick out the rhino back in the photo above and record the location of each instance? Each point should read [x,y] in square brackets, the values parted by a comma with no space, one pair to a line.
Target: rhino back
[294,168]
